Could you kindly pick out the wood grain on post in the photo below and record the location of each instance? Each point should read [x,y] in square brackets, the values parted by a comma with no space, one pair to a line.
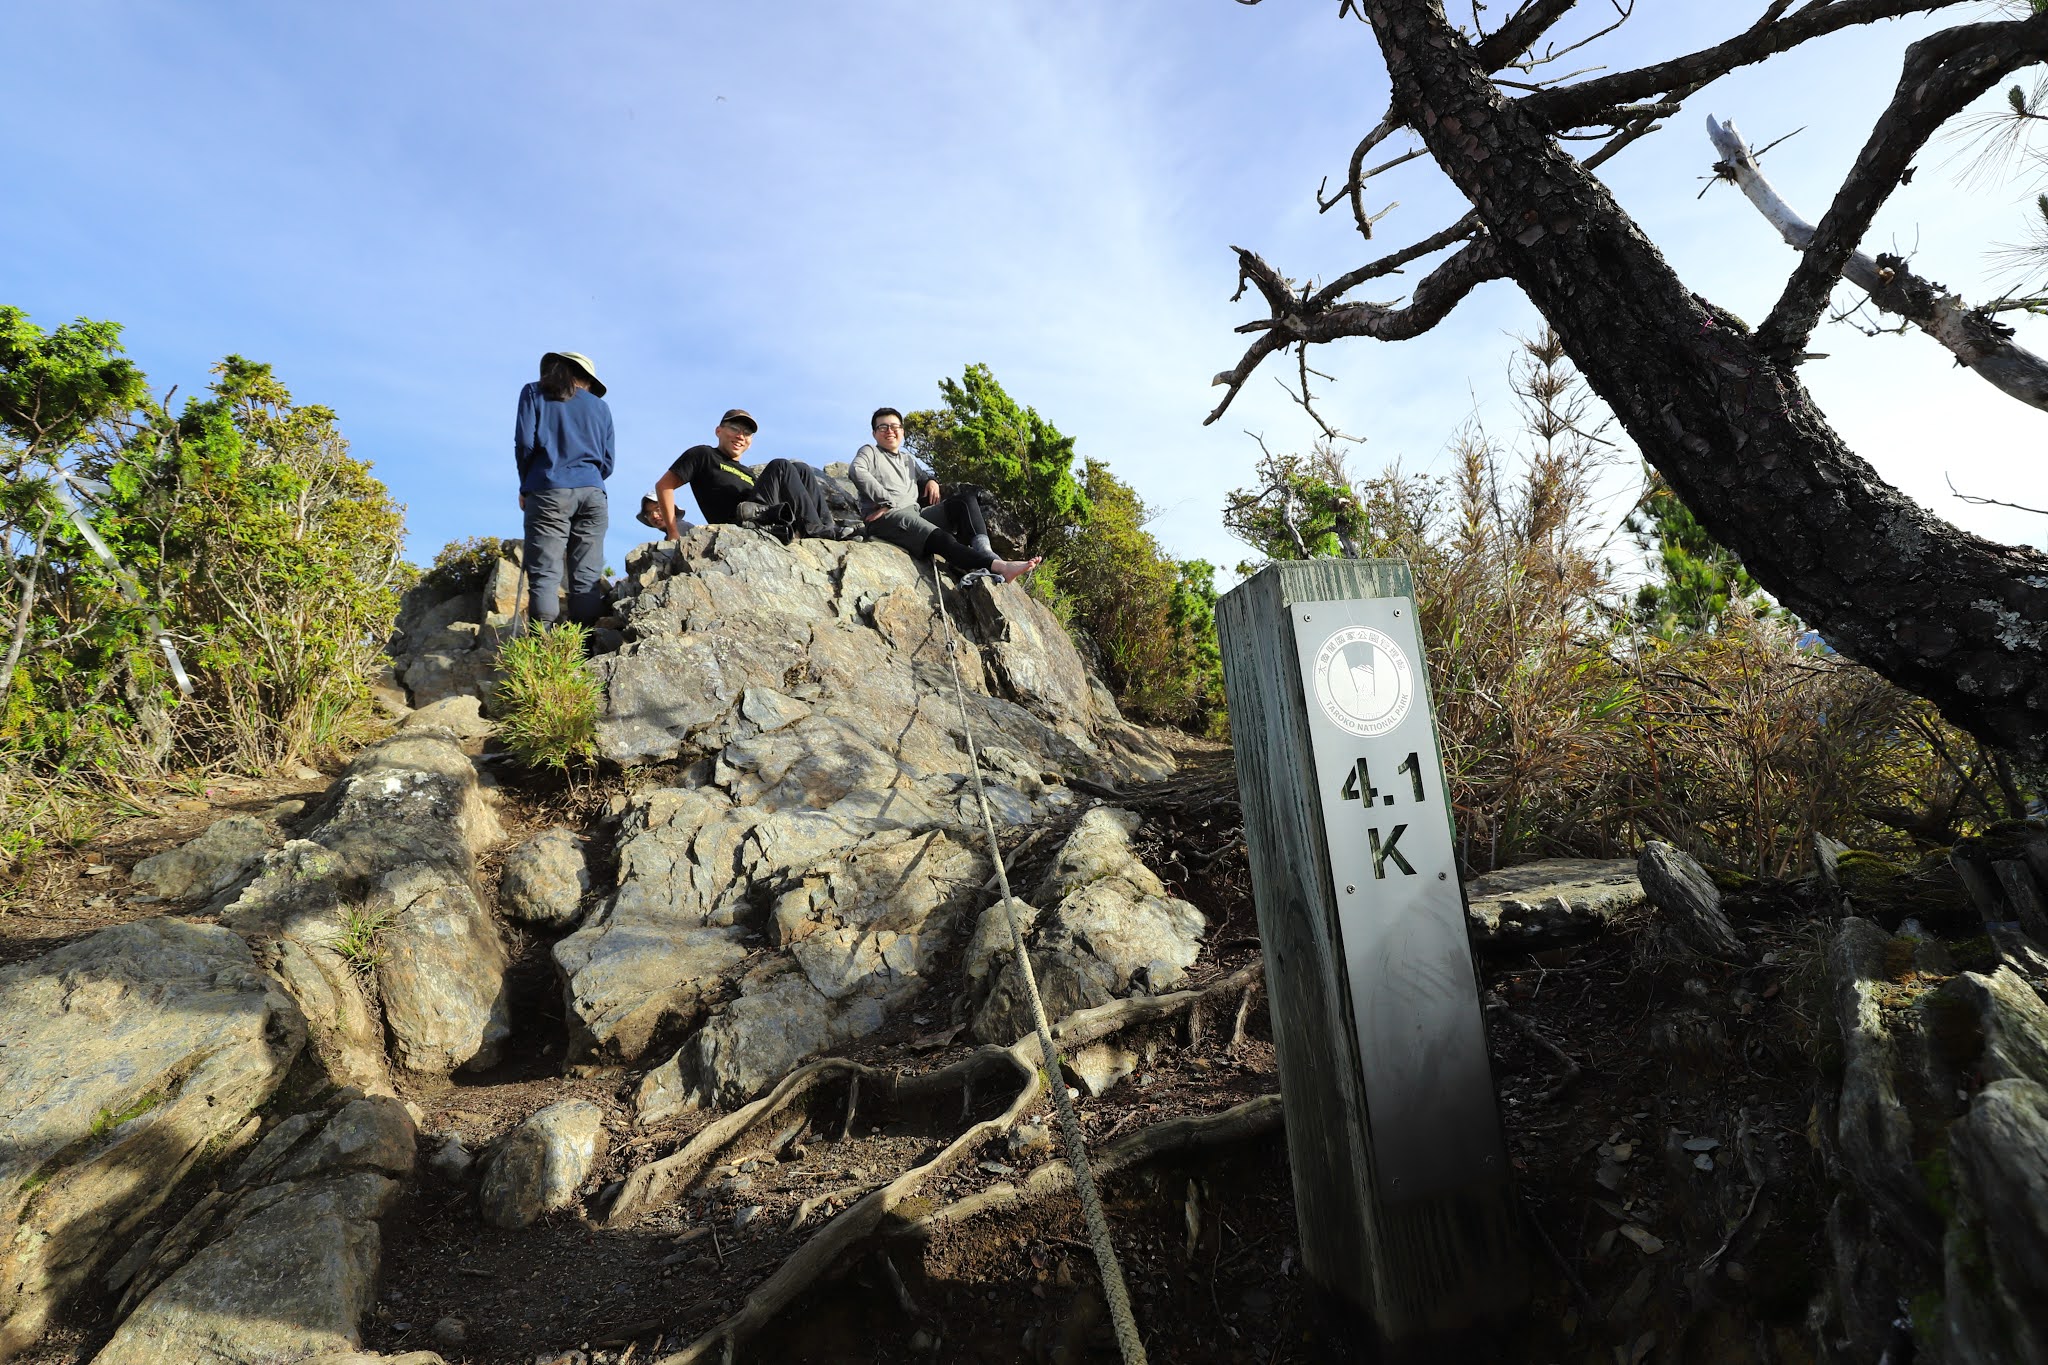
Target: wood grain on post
[1406,1213]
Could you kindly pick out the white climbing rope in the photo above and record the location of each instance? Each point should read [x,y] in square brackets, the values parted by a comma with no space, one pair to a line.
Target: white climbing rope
[1127,1340]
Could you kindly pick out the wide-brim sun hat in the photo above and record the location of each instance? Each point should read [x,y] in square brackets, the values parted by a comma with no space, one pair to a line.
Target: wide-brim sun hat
[581,362]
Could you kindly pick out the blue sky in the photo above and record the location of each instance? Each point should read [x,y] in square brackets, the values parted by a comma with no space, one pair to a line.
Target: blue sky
[809,210]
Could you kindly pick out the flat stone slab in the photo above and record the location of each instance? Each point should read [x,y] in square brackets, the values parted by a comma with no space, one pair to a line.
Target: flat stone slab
[1553,901]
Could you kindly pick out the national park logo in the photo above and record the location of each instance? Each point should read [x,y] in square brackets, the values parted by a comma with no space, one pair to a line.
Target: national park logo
[1364,681]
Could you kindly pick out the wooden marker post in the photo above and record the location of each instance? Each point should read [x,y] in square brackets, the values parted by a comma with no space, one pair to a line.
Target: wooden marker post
[1401,1185]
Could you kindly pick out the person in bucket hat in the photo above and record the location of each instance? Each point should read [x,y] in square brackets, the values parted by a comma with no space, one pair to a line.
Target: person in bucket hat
[563,446]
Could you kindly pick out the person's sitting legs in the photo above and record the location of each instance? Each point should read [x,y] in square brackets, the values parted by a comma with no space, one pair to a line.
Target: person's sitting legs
[960,512]
[908,529]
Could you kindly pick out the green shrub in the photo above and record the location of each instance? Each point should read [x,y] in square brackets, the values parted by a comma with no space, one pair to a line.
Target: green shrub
[1151,618]
[984,437]
[546,700]
[463,565]
[244,532]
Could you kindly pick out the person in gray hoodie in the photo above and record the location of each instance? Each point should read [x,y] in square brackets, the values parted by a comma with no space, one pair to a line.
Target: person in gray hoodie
[892,484]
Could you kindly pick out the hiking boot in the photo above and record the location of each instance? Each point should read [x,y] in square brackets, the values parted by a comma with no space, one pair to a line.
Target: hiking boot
[750,513]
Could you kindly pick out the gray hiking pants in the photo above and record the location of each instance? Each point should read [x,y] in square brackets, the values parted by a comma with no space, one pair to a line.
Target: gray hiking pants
[566,522]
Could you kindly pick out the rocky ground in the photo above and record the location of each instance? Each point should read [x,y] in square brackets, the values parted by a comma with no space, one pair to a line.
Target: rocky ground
[414,1064]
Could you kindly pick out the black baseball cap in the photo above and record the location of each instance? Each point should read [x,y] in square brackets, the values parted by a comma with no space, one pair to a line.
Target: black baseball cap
[740,417]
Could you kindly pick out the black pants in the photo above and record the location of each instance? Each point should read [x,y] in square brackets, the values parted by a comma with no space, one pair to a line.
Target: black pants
[794,485]
[918,533]
[959,514]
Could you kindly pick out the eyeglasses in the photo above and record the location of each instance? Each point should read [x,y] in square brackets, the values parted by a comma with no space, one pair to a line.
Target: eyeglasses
[890,426]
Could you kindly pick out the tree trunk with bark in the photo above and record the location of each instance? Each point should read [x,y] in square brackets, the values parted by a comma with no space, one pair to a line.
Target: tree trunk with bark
[1948,615]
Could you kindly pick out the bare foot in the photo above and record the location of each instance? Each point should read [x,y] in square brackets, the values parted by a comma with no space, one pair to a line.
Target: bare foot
[1010,570]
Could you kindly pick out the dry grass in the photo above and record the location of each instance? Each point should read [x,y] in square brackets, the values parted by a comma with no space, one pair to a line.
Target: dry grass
[1567,729]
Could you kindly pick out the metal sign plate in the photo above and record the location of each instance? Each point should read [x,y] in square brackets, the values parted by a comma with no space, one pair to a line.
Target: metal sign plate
[1414,995]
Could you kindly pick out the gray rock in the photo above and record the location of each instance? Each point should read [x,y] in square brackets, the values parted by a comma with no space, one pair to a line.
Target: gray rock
[124,1059]
[461,716]
[737,611]
[381,898]
[1101,1066]
[1113,931]
[992,944]
[504,592]
[1689,901]
[1551,902]
[1067,982]
[1996,1248]
[537,1169]
[221,858]
[281,1266]
[545,879]
[452,1161]
[1099,846]
[756,1040]
[442,975]
[437,674]
[1881,1091]
[389,693]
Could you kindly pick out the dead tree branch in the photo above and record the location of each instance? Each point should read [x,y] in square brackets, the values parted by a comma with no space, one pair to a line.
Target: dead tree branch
[1942,74]
[1971,335]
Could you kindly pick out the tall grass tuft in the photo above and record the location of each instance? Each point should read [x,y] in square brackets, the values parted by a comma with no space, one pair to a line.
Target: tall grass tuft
[547,701]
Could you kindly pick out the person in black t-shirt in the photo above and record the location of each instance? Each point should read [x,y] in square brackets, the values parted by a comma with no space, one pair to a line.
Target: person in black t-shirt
[781,497]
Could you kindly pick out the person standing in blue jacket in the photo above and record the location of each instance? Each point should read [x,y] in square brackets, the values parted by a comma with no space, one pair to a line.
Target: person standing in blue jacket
[563,443]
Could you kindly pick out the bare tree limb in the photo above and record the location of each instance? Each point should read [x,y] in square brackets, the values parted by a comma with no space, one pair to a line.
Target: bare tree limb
[1297,319]
[1992,502]
[1943,73]
[1574,106]
[1975,339]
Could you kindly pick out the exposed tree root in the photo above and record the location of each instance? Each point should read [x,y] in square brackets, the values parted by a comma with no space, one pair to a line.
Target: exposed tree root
[1195,1133]
[649,1187]
[1572,1070]
[809,1262]
[652,1185]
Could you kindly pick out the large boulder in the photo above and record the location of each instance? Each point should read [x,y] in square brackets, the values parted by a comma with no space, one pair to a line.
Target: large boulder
[124,1059]
[856,627]
[545,879]
[379,902]
[1112,931]
[538,1167]
[215,862]
[281,1262]
[806,695]
[857,934]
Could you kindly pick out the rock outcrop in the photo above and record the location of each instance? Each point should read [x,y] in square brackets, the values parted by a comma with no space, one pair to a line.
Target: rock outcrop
[823,799]
[1940,1127]
[379,902]
[1111,930]
[281,1262]
[125,1059]
[445,642]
